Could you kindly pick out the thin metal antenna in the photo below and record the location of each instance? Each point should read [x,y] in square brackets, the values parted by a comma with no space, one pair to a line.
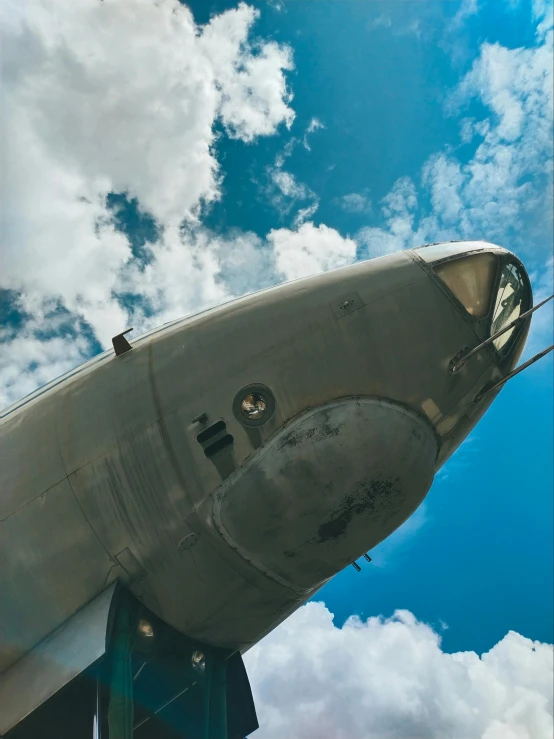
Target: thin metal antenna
[140,669]
[515,372]
[460,363]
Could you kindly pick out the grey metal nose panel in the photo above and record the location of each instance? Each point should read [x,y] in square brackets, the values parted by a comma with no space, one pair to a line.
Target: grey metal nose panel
[331,485]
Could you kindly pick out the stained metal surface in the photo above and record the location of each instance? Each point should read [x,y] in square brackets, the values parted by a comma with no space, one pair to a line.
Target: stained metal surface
[326,489]
[30,460]
[54,662]
[52,565]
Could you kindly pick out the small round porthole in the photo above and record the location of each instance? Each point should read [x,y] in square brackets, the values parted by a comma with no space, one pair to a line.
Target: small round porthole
[254,405]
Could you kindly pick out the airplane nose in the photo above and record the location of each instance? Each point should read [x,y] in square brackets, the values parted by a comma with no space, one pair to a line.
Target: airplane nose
[330,485]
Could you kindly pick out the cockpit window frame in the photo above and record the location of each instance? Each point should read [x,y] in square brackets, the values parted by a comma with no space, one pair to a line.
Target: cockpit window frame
[477,321]
[505,351]
[479,325]
[483,326]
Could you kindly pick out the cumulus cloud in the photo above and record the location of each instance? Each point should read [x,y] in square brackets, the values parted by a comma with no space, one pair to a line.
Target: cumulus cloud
[314,125]
[119,97]
[310,249]
[510,175]
[283,189]
[304,214]
[195,268]
[126,97]
[389,679]
[354,202]
[466,10]
[35,361]
[50,342]
[504,192]
[287,185]
[543,13]
[398,209]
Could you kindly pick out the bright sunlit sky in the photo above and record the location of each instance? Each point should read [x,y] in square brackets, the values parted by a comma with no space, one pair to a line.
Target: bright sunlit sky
[158,158]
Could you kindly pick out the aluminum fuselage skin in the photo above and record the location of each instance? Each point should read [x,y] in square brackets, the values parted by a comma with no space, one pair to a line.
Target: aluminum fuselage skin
[103,477]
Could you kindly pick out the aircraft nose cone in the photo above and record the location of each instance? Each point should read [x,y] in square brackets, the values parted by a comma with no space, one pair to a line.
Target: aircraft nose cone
[333,483]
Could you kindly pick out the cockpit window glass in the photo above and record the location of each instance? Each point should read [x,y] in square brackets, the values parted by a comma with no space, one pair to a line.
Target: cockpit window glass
[510,302]
[471,279]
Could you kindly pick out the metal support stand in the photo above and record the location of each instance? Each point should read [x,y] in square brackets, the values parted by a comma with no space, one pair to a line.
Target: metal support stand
[215,698]
[156,683]
[121,709]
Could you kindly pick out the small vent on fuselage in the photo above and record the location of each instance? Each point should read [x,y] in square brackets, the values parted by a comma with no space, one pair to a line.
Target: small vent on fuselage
[214,439]
[218,445]
[210,432]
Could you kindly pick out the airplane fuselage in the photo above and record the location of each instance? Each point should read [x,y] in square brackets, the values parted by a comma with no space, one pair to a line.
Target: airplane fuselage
[144,468]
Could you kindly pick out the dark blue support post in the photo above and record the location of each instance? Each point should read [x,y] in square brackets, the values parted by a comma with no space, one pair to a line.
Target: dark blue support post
[121,709]
[215,697]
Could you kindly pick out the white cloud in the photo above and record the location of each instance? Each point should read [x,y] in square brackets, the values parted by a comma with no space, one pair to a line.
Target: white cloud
[182,277]
[354,202]
[284,189]
[513,84]
[444,179]
[34,355]
[304,214]
[314,125]
[466,10]
[287,184]
[34,362]
[507,185]
[398,209]
[197,268]
[103,97]
[254,97]
[543,13]
[390,679]
[310,249]
[504,192]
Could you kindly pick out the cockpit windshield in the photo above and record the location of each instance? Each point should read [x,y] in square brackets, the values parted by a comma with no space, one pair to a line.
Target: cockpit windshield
[511,300]
[471,279]
[485,283]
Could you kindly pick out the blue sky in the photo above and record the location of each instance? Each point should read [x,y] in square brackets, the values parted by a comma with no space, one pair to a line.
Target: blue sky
[187,164]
